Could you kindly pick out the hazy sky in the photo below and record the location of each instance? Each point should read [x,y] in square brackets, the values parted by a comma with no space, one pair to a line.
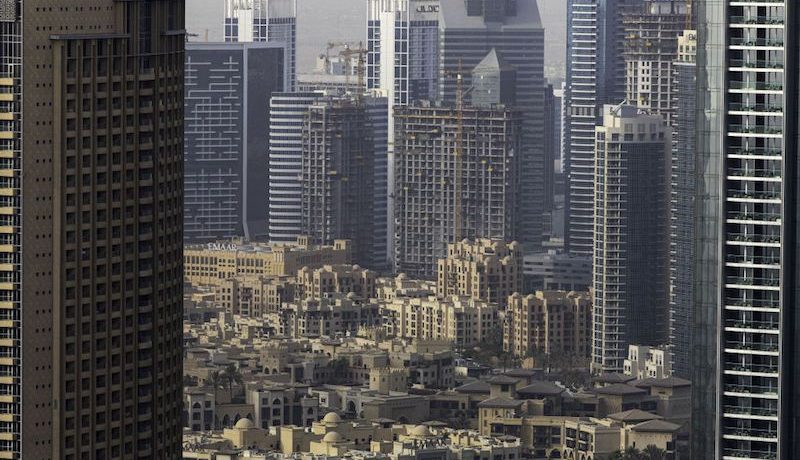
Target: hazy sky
[320,21]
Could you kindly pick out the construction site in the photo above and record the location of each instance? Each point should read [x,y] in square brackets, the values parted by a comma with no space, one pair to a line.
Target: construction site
[456,177]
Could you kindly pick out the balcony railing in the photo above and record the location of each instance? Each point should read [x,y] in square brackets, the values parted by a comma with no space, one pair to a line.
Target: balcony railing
[752,346]
[757,411]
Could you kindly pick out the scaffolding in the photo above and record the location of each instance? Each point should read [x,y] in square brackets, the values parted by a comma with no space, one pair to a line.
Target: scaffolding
[456,176]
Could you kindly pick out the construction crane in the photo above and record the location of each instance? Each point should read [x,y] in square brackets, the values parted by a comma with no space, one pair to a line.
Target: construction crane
[458,152]
[347,54]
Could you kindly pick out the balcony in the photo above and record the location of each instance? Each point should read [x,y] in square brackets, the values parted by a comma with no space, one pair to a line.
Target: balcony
[750,411]
[761,20]
[756,42]
[756,129]
[752,324]
[757,152]
[752,346]
[770,217]
[748,454]
[756,85]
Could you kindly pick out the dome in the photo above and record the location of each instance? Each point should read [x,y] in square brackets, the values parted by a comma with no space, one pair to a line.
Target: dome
[356,267]
[331,417]
[244,424]
[332,437]
[402,276]
[420,431]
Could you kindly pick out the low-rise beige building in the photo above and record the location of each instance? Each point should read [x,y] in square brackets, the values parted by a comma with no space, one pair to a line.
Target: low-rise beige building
[254,295]
[549,322]
[483,269]
[213,263]
[461,320]
[328,316]
[335,279]
[402,286]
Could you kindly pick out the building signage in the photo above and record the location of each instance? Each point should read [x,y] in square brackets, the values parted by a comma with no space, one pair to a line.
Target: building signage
[221,247]
[428,9]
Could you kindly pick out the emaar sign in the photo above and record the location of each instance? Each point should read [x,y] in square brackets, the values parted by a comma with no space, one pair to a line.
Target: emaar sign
[221,247]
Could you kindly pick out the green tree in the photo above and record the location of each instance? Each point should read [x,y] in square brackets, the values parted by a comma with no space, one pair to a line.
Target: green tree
[231,376]
[652,452]
[339,368]
[189,381]
[215,381]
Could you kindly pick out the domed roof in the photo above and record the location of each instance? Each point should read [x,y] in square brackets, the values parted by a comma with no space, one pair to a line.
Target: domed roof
[420,431]
[244,424]
[331,417]
[332,437]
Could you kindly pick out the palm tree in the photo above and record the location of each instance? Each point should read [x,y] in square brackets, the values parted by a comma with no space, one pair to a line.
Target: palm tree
[189,381]
[215,381]
[652,452]
[632,453]
[230,376]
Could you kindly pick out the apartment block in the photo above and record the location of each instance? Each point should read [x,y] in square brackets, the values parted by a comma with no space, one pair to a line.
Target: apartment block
[314,283]
[483,269]
[549,322]
[648,362]
[651,47]
[329,316]
[471,30]
[253,295]
[337,176]
[631,237]
[683,203]
[213,263]
[456,176]
[744,324]
[463,321]
[91,220]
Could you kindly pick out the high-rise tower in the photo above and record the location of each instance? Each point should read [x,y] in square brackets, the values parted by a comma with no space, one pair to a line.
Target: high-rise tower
[471,29]
[631,207]
[226,164]
[745,323]
[403,63]
[338,176]
[682,203]
[595,76]
[91,115]
[272,21]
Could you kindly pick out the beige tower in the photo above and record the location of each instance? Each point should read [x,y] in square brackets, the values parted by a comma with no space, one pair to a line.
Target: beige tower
[91,189]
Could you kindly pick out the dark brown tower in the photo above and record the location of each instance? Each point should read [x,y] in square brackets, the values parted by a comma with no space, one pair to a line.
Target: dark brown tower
[91,114]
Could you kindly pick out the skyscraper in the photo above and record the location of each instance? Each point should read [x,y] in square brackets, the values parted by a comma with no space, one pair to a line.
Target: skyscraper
[287,112]
[631,245]
[682,203]
[595,76]
[338,177]
[581,94]
[92,288]
[403,45]
[441,199]
[651,47]
[226,164]
[468,31]
[273,21]
[403,63]
[745,323]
